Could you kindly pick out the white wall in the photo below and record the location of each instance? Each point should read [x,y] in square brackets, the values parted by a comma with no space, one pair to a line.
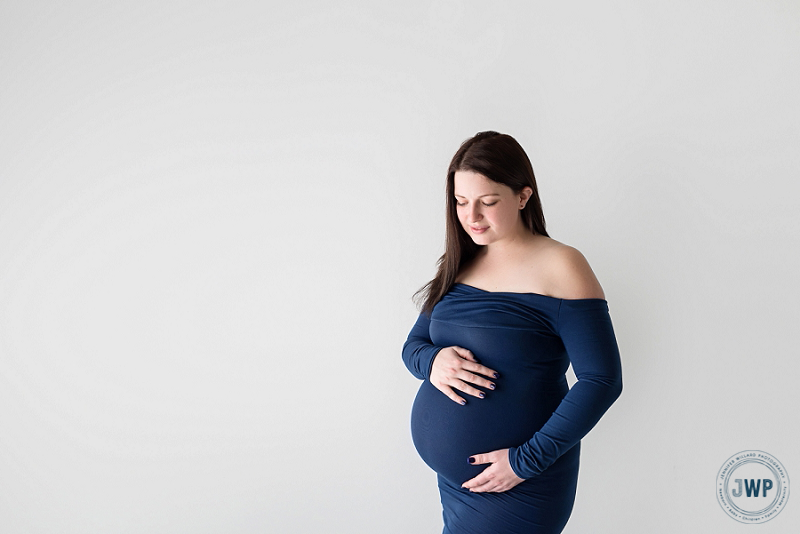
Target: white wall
[213,216]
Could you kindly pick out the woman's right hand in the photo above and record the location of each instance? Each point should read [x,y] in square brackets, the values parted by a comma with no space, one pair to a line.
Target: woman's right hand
[456,368]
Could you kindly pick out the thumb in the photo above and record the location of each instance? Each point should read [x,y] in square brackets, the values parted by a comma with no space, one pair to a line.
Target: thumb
[478,459]
[466,354]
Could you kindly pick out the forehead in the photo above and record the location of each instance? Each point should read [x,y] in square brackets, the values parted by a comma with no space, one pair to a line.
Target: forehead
[471,183]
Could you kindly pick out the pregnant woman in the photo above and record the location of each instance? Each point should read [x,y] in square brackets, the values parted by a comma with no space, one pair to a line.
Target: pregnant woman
[507,312]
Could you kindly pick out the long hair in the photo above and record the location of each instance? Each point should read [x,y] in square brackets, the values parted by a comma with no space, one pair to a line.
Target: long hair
[500,158]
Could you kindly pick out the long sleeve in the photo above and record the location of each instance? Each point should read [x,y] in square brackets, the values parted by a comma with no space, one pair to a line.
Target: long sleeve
[418,350]
[588,336]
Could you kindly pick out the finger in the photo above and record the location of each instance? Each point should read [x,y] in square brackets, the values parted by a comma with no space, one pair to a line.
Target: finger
[480,459]
[479,480]
[489,485]
[447,390]
[467,388]
[472,378]
[497,484]
[481,369]
[485,480]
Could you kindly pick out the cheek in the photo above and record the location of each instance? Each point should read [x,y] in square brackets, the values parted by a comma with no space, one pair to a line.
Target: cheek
[501,217]
[512,214]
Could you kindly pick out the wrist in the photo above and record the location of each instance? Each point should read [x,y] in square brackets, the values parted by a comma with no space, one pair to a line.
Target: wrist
[512,462]
[430,364]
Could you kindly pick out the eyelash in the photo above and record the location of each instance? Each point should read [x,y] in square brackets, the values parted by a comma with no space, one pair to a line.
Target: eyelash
[484,203]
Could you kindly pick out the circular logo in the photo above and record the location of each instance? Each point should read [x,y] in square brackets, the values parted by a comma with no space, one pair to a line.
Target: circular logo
[752,486]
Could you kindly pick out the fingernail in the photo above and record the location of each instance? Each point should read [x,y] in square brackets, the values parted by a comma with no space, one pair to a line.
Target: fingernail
[496,375]
[471,460]
[463,402]
[491,386]
[481,395]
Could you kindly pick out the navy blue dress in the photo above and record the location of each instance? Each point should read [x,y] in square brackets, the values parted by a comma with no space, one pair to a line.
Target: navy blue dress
[529,339]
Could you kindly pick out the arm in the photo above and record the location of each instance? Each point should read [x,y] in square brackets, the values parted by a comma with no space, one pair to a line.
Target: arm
[418,350]
[447,368]
[588,335]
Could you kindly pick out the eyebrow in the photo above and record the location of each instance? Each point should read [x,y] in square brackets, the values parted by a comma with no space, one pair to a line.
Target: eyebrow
[486,195]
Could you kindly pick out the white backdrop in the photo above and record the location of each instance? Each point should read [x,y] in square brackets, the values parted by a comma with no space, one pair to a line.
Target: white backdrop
[213,216]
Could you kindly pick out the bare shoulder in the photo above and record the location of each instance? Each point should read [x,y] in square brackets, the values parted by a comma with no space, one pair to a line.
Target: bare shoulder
[569,274]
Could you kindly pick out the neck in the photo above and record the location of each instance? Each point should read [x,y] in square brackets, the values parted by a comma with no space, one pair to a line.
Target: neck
[509,247]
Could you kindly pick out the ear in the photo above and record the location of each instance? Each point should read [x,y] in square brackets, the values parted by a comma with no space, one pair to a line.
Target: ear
[524,196]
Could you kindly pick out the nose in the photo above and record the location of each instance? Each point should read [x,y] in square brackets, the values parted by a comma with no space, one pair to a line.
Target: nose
[474,214]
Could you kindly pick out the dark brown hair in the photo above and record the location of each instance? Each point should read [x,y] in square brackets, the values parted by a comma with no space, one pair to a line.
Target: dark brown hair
[500,158]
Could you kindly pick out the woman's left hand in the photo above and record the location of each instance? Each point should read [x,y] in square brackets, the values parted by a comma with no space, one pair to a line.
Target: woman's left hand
[497,477]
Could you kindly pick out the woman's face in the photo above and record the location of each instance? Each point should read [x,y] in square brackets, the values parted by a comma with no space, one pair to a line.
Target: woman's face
[488,211]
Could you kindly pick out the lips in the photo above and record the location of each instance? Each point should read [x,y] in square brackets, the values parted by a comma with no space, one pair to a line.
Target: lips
[478,230]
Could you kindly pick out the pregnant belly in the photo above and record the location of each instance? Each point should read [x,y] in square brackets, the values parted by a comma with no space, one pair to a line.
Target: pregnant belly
[446,433]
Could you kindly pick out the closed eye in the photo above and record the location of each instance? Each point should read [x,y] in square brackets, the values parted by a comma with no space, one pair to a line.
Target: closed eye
[484,203]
